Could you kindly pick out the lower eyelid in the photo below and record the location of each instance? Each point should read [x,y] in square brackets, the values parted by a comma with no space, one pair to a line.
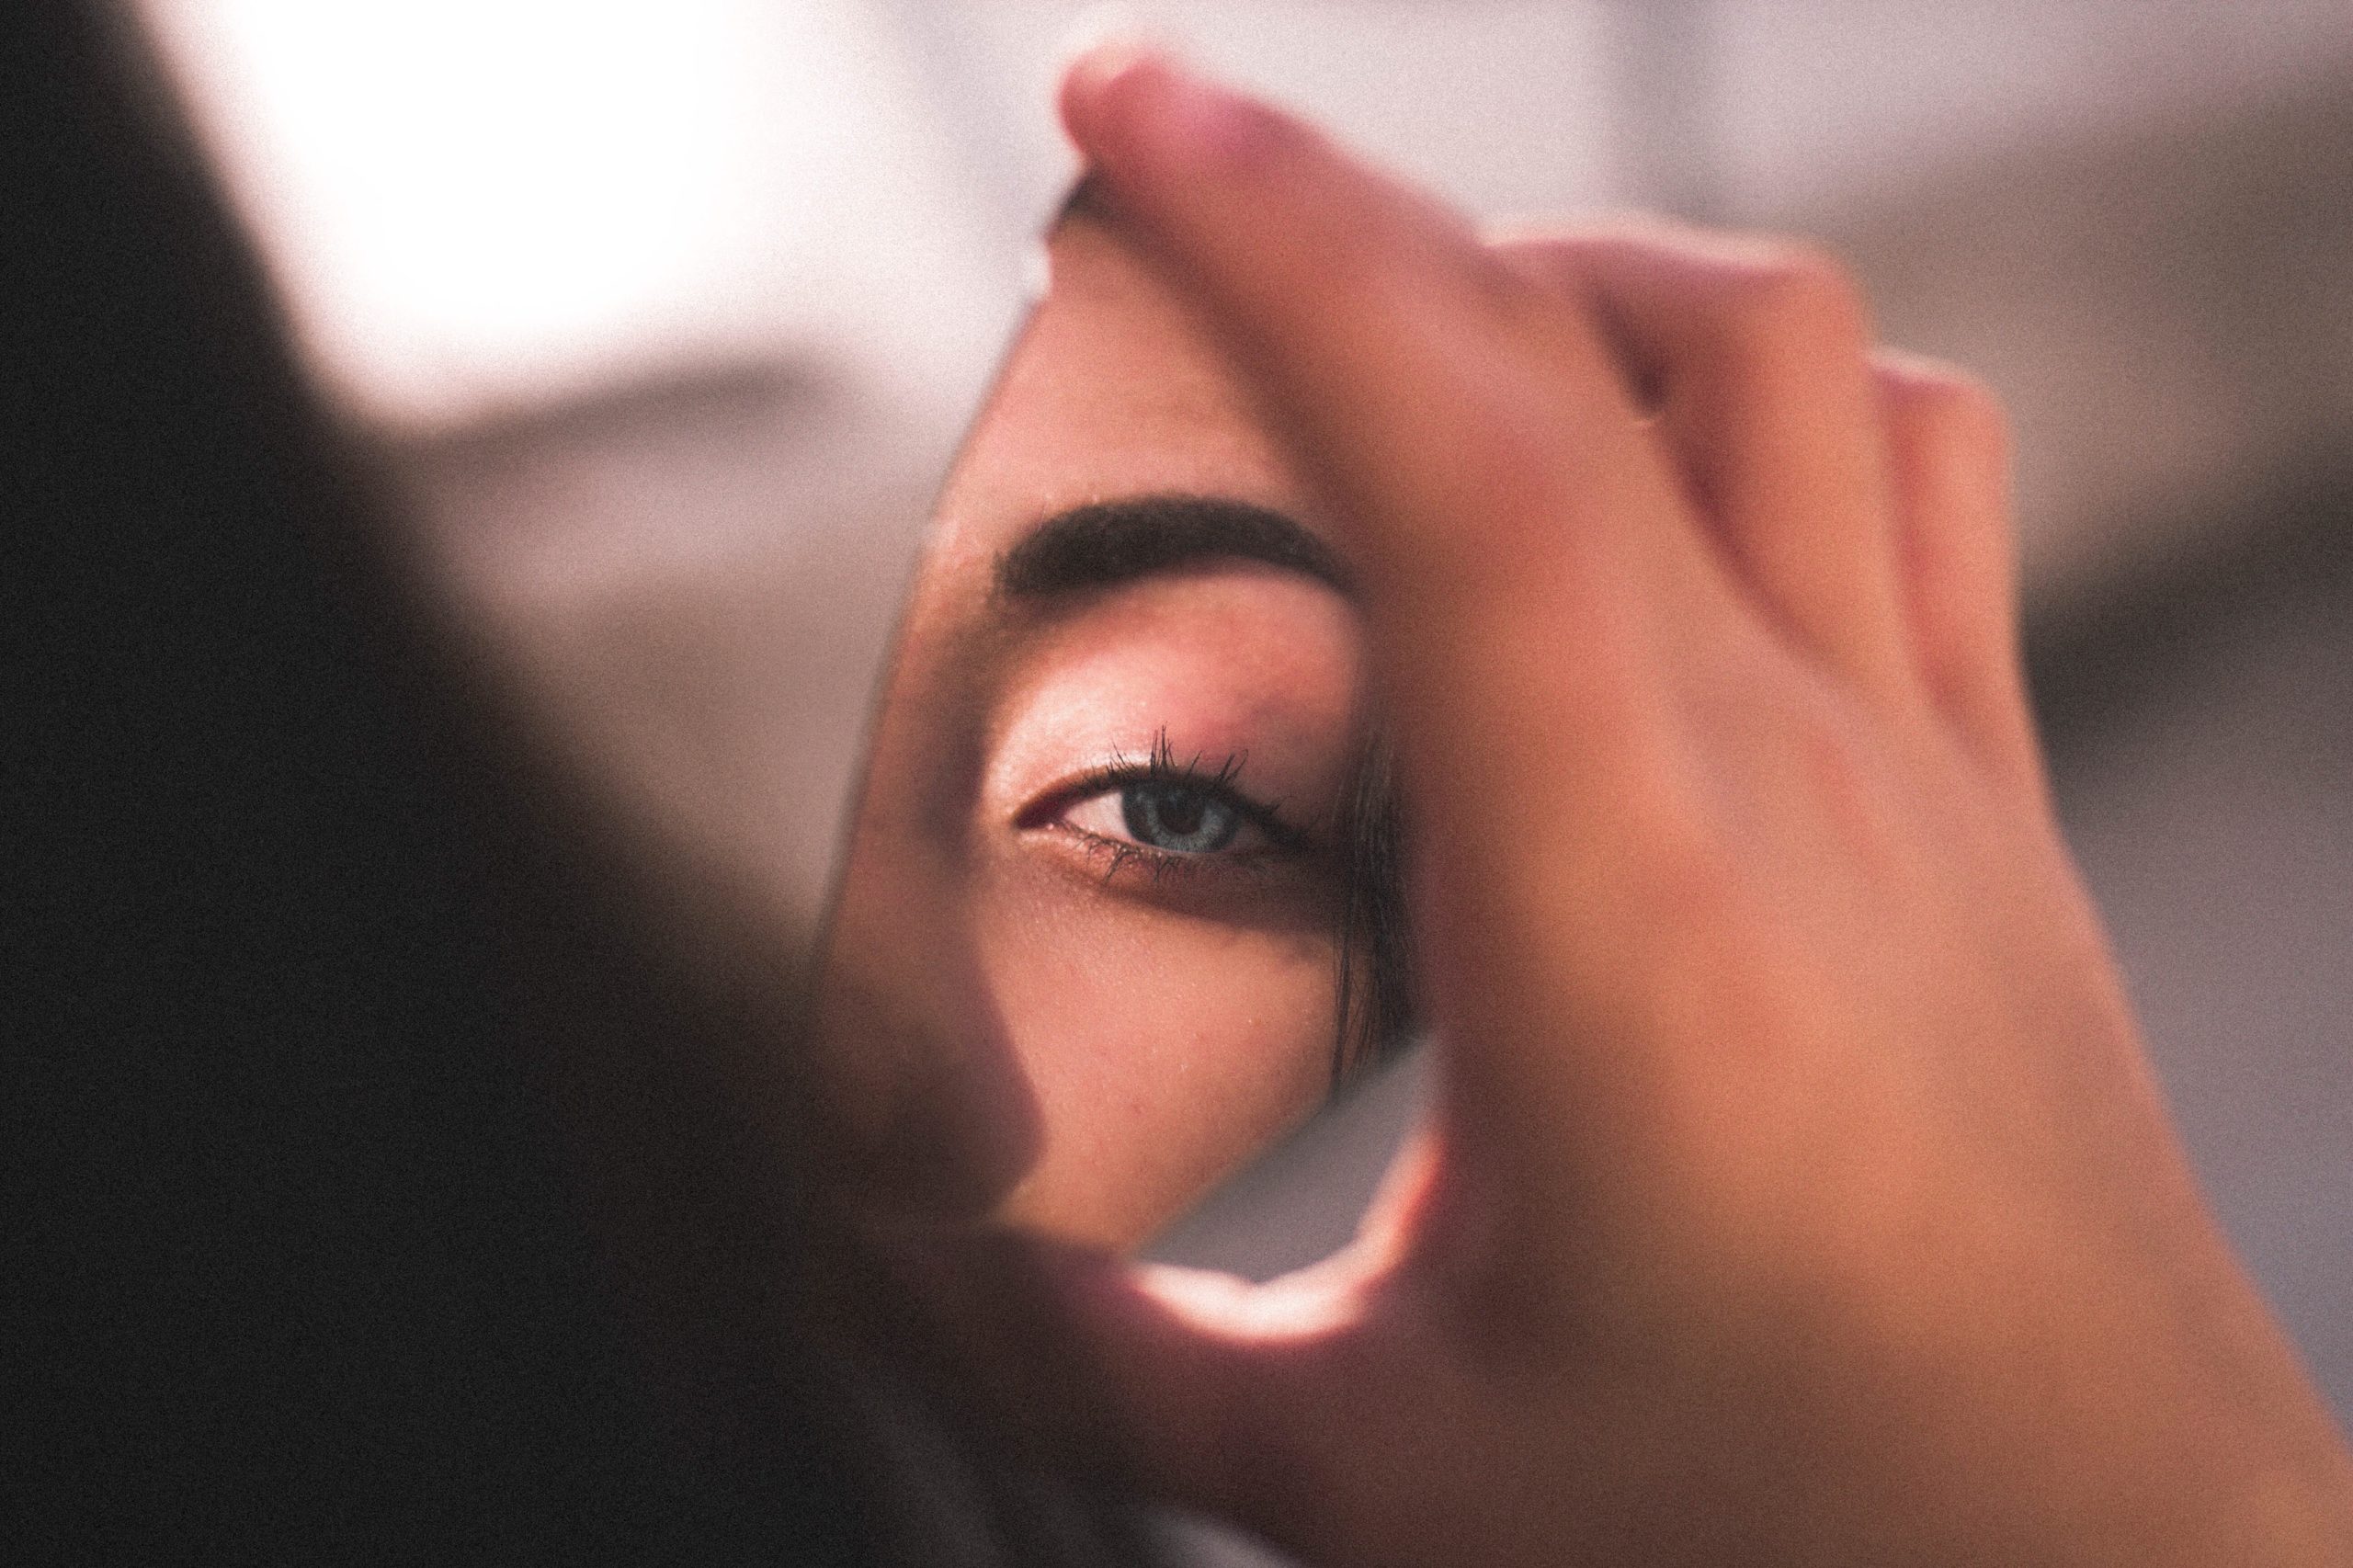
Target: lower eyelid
[1106,857]
[1160,864]
[1118,854]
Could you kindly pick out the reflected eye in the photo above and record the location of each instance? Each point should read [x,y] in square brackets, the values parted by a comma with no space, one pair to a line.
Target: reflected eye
[1174,818]
[1170,816]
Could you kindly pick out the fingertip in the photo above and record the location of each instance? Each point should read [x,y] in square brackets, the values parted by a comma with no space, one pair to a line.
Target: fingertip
[1134,111]
[1090,81]
[1958,405]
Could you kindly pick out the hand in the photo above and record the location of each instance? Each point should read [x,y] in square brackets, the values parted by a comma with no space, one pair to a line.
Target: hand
[1797,1190]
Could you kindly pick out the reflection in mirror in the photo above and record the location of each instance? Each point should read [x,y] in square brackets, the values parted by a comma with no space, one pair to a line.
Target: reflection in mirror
[1123,898]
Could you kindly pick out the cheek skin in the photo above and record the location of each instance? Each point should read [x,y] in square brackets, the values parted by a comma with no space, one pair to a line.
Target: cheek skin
[930,1109]
[1004,1033]
[1165,1035]
[1002,1026]
[1161,1053]
[925,1105]
[997,1020]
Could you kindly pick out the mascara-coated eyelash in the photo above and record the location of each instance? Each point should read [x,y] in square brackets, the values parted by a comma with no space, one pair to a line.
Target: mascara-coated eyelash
[1196,812]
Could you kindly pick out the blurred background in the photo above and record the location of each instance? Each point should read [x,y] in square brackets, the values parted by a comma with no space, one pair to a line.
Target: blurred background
[583,273]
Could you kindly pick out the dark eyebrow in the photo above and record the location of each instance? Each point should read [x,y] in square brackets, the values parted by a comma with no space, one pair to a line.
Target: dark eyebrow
[1104,543]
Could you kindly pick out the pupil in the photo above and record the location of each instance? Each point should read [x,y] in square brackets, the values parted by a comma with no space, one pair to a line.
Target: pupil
[1180,814]
[1188,821]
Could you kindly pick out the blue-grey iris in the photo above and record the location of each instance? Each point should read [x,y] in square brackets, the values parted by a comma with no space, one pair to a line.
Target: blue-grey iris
[1179,818]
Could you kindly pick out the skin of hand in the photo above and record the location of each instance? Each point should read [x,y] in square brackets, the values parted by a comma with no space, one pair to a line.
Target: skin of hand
[1796,1190]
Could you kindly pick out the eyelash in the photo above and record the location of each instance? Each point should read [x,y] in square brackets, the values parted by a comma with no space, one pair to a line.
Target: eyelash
[1162,767]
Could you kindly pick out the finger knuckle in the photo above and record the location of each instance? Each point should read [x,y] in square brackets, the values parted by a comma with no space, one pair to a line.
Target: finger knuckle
[1537,254]
[1947,407]
[1780,296]
[1563,252]
[1973,414]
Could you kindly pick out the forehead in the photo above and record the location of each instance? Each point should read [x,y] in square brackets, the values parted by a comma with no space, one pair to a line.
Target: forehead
[1114,390]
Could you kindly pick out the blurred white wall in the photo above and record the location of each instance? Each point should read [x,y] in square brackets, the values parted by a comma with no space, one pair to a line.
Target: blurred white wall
[2125,212]
[477,207]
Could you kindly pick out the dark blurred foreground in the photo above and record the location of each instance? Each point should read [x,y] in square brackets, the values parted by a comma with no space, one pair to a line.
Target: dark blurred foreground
[296,1270]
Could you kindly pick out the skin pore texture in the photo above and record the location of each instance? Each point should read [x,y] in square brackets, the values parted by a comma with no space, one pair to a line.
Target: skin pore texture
[1087,957]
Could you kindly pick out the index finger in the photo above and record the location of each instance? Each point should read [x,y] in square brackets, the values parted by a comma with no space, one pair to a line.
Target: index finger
[1531,576]
[1352,298]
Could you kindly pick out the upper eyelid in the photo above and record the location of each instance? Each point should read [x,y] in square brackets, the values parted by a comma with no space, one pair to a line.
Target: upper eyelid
[1050,807]
[1280,832]
[1160,767]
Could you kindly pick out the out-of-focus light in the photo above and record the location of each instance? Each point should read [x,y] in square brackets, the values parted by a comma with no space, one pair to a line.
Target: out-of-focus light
[472,203]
